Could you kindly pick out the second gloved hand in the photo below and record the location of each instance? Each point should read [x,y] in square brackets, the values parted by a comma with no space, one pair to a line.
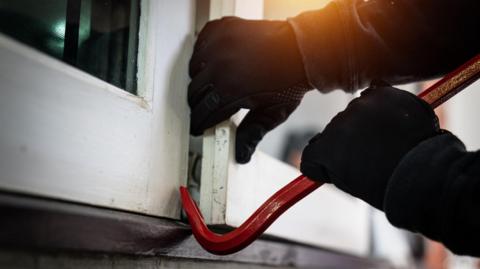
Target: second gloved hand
[360,148]
[249,64]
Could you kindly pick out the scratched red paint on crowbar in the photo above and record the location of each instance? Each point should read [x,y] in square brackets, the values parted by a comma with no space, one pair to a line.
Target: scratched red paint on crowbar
[265,215]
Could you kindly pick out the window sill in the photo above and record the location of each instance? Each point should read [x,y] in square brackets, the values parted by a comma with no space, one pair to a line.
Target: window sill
[39,225]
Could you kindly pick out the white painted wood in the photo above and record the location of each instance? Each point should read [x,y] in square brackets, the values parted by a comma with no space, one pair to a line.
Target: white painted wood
[230,192]
[249,9]
[68,135]
[218,145]
[221,8]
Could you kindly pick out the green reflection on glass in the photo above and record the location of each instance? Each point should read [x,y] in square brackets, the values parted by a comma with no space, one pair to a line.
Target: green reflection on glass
[59,29]
[97,36]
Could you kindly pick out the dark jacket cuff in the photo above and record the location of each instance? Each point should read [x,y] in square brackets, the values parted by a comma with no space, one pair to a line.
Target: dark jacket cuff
[417,196]
[321,39]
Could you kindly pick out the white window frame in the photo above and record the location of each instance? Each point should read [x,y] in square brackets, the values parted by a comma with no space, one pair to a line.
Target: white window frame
[67,135]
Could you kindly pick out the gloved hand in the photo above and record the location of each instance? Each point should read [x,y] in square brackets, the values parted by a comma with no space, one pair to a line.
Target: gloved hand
[360,148]
[240,63]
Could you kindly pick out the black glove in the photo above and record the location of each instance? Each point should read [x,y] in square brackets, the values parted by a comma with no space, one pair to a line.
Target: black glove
[240,63]
[361,146]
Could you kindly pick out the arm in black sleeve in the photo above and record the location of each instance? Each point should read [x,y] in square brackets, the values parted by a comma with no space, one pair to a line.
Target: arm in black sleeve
[351,42]
[435,190]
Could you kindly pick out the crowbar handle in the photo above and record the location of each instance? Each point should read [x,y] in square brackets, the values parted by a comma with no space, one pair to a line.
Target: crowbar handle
[268,212]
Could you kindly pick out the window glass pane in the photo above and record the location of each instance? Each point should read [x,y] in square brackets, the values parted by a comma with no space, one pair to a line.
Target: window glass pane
[97,36]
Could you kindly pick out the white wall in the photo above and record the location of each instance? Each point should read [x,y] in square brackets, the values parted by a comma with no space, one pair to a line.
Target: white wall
[462,113]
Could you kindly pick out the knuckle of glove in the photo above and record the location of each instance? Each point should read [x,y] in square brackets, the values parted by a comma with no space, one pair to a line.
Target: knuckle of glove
[313,164]
[214,26]
[415,112]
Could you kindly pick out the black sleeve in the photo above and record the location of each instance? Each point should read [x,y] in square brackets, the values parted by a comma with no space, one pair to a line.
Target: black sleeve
[435,190]
[351,42]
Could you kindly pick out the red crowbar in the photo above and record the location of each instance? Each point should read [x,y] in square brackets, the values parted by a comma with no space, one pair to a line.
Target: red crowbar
[265,215]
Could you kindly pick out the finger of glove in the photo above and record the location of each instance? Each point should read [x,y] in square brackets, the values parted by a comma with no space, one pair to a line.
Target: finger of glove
[198,61]
[199,87]
[314,166]
[199,58]
[209,112]
[201,50]
[254,127]
[309,166]
[209,31]
[196,65]
[202,111]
